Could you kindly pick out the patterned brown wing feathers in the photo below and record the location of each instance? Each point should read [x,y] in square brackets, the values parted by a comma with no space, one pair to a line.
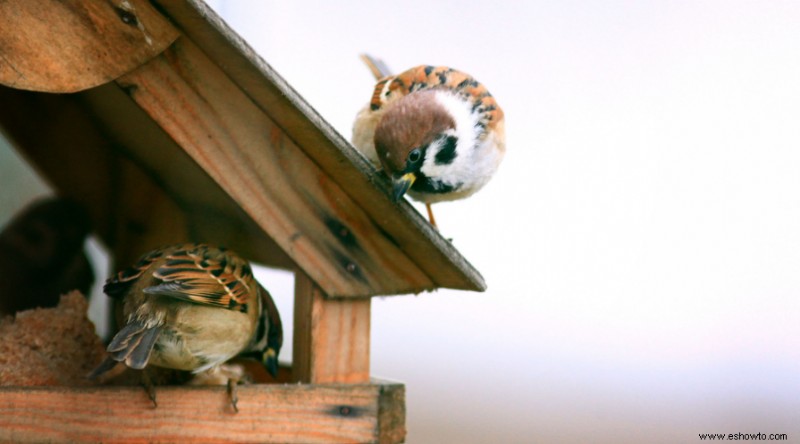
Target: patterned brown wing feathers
[205,275]
[119,285]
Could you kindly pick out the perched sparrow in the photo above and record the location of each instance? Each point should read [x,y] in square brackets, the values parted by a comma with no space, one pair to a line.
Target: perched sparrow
[193,307]
[437,133]
[42,257]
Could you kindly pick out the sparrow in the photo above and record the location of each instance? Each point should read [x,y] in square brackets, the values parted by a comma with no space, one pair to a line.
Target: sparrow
[437,132]
[193,307]
[42,255]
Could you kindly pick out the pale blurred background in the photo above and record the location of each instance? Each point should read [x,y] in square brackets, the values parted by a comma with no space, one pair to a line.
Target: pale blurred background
[641,242]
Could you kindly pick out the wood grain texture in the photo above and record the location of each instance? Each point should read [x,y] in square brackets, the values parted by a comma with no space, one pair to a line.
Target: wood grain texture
[328,149]
[300,206]
[72,45]
[331,337]
[267,413]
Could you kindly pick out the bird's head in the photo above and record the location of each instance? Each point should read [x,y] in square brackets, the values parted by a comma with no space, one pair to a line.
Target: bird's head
[415,134]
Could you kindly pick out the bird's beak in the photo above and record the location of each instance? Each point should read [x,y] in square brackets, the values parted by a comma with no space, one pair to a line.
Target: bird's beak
[270,361]
[402,185]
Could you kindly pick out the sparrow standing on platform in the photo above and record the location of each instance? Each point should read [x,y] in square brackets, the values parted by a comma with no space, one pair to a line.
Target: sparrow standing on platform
[193,307]
[437,133]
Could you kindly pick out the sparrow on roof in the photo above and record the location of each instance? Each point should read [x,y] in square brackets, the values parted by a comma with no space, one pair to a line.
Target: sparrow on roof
[436,131]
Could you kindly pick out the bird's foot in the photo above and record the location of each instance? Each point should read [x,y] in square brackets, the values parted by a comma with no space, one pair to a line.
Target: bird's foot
[149,387]
[224,374]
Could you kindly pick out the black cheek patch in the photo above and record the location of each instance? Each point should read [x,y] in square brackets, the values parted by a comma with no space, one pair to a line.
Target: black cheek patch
[447,154]
[425,184]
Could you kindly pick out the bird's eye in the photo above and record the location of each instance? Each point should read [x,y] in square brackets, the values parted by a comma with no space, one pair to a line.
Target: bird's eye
[414,156]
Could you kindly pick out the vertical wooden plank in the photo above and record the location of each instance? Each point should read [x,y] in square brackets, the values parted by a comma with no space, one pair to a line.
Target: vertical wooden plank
[331,336]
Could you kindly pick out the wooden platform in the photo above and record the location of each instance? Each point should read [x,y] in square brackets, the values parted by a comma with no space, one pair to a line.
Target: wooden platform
[271,413]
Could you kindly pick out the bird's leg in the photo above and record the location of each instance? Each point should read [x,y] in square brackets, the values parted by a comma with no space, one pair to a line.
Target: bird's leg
[149,387]
[232,383]
[430,216]
[223,374]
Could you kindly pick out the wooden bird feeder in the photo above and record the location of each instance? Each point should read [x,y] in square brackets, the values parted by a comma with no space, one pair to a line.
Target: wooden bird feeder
[162,121]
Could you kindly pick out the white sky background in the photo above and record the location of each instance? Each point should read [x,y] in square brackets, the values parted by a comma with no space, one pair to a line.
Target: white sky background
[641,242]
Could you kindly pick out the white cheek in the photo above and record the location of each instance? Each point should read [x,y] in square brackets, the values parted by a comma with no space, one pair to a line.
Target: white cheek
[463,166]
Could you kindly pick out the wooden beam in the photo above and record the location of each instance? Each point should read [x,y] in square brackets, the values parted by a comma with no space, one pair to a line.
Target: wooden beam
[300,206]
[331,337]
[72,45]
[274,413]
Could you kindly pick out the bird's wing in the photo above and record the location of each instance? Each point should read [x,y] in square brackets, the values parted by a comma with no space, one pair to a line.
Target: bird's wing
[205,275]
[119,285]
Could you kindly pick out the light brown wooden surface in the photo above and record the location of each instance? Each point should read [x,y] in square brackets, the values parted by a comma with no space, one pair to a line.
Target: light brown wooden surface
[71,45]
[292,413]
[307,214]
[331,337]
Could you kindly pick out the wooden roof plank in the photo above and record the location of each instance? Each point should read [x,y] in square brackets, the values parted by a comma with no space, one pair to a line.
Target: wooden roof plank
[307,129]
[313,220]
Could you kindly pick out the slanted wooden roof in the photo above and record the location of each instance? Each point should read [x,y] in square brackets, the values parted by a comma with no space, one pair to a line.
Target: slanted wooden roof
[175,130]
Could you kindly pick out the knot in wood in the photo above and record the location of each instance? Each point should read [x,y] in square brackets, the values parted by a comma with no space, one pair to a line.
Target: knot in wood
[127,17]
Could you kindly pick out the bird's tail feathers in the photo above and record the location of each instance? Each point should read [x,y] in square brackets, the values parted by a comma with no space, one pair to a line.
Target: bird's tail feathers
[132,345]
[377,66]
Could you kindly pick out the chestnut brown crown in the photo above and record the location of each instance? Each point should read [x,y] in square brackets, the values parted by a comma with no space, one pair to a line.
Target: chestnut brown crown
[413,122]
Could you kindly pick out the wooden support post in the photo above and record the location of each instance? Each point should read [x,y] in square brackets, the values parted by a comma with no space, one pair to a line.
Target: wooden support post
[331,336]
